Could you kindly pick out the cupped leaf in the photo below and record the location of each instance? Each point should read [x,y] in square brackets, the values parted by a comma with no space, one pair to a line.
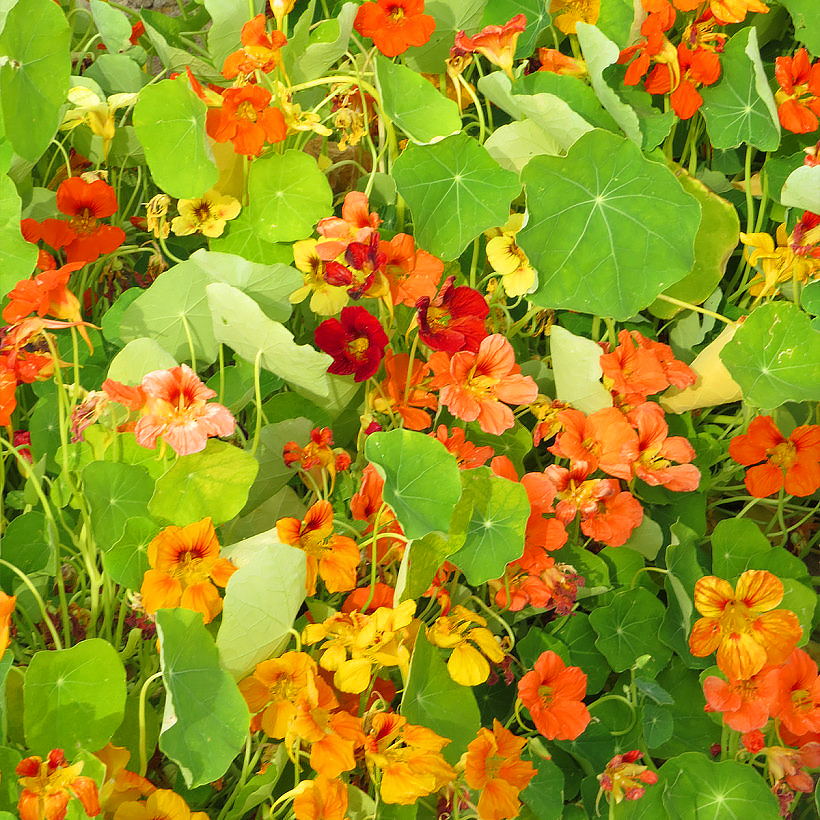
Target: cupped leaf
[262,600]
[35,65]
[212,483]
[421,479]
[433,699]
[740,107]
[414,103]
[775,356]
[206,718]
[608,229]
[455,190]
[495,532]
[170,123]
[74,698]
[288,196]
[240,323]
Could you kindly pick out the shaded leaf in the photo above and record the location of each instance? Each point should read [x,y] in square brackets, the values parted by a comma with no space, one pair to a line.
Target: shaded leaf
[805,15]
[115,493]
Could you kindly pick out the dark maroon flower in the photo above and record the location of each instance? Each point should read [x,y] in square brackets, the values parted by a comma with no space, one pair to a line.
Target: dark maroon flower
[356,343]
[454,320]
[367,259]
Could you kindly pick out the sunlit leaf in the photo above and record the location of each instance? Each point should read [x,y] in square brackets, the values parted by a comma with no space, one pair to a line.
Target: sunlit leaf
[17,257]
[802,189]
[806,18]
[577,368]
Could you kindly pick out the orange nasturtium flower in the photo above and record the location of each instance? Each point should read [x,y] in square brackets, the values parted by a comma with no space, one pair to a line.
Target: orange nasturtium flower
[743,624]
[394,25]
[163,804]
[7,603]
[320,799]
[185,565]
[566,14]
[493,765]
[260,51]
[787,462]
[49,784]
[333,557]
[496,43]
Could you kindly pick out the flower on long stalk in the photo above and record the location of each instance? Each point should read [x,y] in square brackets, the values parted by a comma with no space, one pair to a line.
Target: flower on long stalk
[496,43]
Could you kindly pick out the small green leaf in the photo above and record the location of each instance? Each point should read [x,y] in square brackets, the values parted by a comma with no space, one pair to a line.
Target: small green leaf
[421,479]
[455,190]
[113,26]
[775,356]
[288,196]
[138,358]
[802,189]
[74,698]
[495,534]
[658,725]
[433,699]
[212,483]
[740,108]
[17,257]
[262,600]
[206,718]
[414,103]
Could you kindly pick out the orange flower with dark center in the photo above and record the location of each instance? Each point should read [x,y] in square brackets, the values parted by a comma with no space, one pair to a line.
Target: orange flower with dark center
[260,51]
[798,97]
[394,25]
[246,120]
[745,704]
[185,565]
[790,463]
[799,708]
[49,784]
[389,396]
[496,43]
[743,625]
[553,693]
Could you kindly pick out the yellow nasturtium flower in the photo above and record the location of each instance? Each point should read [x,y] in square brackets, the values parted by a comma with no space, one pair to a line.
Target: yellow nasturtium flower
[97,113]
[508,260]
[206,214]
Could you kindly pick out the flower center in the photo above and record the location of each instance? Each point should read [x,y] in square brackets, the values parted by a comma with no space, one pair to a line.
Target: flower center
[83,223]
[357,348]
[802,700]
[395,13]
[202,211]
[546,694]
[735,617]
[246,111]
[782,455]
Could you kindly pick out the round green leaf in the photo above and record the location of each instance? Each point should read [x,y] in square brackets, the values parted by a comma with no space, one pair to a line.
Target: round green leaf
[608,229]
[658,725]
[628,628]
[170,123]
[288,196]
[455,190]
[495,533]
[740,108]
[74,697]
[127,560]
[802,189]
[17,257]
[806,18]
[28,544]
[775,356]
[422,481]
[240,238]
[35,65]
[206,718]
[212,483]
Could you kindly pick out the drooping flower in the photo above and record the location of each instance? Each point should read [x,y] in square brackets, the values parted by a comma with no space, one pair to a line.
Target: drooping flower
[120,785]
[472,645]
[173,404]
[320,799]
[496,43]
[247,120]
[478,386]
[49,784]
[260,51]
[744,704]
[7,603]
[356,341]
[508,260]
[553,60]
[743,624]
[790,463]
[156,213]
[389,397]
[207,214]
[566,14]
[553,694]
[799,708]
[790,765]
[185,565]
[493,766]
[454,319]
[394,25]
[318,460]
[98,113]
[625,778]
[332,557]
[47,294]
[83,237]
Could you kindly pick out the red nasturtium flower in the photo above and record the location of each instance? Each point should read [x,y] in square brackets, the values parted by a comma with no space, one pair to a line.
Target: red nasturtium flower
[553,693]
[246,120]
[185,565]
[259,52]
[83,237]
[745,704]
[394,25]
[493,766]
[496,43]
[356,340]
[743,624]
[454,319]
[787,462]
[49,784]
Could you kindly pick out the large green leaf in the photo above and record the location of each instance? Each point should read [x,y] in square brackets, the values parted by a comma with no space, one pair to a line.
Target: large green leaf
[802,189]
[174,313]
[262,600]
[715,240]
[433,699]
[414,103]
[240,238]
[74,697]
[288,196]
[495,532]
[239,322]
[17,257]
[126,561]
[35,65]
[775,356]
[206,718]
[170,123]
[113,26]
[421,479]
[608,229]
[740,107]
[806,18]
[455,190]
[212,483]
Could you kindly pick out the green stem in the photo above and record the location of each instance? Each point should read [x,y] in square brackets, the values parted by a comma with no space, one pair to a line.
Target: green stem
[143,697]
[38,598]
[257,395]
